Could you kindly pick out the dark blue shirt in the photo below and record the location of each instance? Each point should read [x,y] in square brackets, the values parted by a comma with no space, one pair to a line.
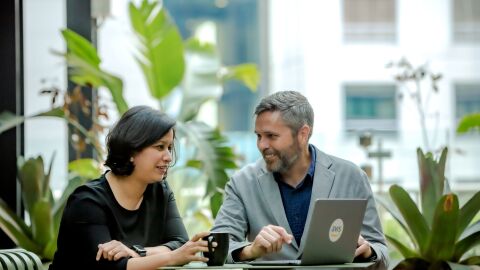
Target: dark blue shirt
[296,200]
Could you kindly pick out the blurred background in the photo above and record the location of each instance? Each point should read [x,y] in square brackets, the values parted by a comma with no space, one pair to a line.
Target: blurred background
[334,52]
[384,77]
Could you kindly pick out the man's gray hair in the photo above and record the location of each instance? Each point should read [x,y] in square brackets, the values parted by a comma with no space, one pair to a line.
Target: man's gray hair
[294,108]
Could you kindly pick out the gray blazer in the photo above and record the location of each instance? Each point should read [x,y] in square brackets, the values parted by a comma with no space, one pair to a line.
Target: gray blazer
[252,201]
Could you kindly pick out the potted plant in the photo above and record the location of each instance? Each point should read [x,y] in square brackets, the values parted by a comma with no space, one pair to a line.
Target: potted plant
[163,64]
[38,231]
[44,212]
[440,231]
[162,57]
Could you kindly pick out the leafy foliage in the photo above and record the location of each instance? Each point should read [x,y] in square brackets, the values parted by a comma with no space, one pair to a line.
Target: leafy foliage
[83,58]
[469,122]
[245,73]
[441,232]
[160,48]
[201,80]
[213,158]
[40,236]
[161,57]
[9,120]
[205,75]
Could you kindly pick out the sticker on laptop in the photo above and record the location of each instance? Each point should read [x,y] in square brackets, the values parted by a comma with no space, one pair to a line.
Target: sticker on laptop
[336,230]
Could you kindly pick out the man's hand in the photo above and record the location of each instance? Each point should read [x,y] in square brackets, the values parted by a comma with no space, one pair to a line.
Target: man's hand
[363,248]
[269,239]
[114,250]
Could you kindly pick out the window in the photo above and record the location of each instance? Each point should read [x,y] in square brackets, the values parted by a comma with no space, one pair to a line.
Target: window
[466,21]
[370,107]
[467,97]
[237,30]
[369,21]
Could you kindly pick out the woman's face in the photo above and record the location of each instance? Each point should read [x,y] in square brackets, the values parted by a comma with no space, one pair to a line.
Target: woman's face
[152,162]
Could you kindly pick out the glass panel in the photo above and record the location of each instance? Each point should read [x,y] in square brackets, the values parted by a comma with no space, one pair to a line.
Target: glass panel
[370,107]
[467,99]
[370,102]
[238,40]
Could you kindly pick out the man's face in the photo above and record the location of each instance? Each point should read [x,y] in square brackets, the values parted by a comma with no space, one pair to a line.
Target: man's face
[279,148]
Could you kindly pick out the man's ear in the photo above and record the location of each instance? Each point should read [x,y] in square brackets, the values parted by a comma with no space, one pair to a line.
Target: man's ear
[303,133]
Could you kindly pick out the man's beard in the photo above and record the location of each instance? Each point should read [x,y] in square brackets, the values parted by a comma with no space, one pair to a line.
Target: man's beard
[285,159]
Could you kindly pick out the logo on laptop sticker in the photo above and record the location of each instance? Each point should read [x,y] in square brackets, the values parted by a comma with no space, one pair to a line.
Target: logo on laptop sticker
[336,230]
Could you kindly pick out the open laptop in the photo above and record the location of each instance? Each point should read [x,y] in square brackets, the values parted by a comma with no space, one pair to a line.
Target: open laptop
[332,233]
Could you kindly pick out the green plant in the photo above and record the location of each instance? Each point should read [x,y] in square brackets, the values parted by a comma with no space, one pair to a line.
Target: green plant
[161,55]
[469,122]
[441,231]
[38,232]
[39,235]
[393,229]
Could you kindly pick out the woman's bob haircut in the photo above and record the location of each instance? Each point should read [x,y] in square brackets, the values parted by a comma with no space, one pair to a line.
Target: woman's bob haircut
[138,128]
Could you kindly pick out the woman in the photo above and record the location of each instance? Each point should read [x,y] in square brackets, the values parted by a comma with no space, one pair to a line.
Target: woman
[128,219]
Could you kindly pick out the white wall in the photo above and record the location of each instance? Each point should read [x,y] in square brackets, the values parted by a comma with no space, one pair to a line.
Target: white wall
[306,53]
[423,36]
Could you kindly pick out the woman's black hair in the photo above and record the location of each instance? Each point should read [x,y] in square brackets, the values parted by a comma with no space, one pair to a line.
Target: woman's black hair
[138,128]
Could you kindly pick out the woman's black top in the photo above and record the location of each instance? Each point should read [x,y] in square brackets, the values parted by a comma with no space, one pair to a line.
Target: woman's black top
[93,216]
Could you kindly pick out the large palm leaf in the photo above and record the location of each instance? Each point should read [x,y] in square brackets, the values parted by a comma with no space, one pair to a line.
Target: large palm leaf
[160,48]
[84,61]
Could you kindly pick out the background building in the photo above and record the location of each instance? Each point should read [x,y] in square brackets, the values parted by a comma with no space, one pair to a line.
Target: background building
[335,52]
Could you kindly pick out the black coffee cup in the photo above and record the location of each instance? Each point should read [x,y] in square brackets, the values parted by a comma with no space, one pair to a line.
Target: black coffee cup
[217,255]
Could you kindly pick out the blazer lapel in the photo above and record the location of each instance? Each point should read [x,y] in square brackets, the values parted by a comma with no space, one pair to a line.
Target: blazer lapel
[271,194]
[322,185]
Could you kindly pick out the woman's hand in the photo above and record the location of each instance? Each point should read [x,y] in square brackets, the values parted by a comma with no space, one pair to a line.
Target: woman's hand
[187,252]
[114,250]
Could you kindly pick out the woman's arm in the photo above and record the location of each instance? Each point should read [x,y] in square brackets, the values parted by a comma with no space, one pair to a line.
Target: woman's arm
[157,250]
[174,234]
[184,254]
[114,250]
[83,228]
[180,256]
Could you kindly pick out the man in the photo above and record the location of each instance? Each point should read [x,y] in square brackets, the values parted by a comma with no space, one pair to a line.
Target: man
[266,203]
